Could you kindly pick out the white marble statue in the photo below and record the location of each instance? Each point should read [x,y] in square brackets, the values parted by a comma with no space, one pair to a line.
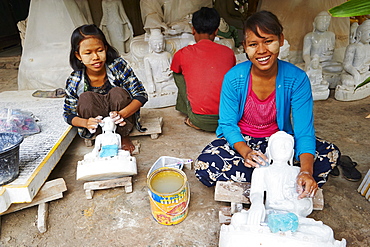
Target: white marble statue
[39,69]
[107,160]
[356,66]
[281,188]
[159,82]
[322,42]
[320,87]
[278,182]
[116,26]
[172,16]
[284,51]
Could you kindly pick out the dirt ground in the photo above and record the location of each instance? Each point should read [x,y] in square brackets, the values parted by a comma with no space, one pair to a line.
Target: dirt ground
[114,218]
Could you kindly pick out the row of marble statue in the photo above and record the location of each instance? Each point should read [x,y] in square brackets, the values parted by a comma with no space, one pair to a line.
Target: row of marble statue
[324,72]
[168,29]
[318,50]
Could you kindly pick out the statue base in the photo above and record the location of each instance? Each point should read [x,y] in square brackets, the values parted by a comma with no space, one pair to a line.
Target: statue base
[95,168]
[321,95]
[345,94]
[251,236]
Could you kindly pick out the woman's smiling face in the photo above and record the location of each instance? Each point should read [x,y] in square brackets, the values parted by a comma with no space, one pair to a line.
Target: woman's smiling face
[263,51]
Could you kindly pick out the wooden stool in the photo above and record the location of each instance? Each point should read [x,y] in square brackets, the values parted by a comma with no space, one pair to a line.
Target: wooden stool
[89,187]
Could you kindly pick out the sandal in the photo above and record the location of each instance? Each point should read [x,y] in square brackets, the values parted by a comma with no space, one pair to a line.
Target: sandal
[57,93]
[190,124]
[334,172]
[349,169]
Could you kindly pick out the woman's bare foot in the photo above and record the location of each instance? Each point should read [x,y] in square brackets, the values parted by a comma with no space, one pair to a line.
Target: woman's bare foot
[126,144]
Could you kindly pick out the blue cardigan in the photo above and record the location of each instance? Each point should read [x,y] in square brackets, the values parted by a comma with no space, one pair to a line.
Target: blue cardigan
[294,105]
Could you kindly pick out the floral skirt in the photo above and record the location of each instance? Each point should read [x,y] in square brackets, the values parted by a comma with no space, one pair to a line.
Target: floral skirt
[219,162]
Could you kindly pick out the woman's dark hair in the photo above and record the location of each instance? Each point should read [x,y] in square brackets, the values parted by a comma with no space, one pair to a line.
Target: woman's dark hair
[265,21]
[84,32]
[206,20]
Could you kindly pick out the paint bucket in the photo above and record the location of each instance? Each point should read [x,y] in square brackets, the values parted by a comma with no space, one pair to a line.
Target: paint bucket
[169,195]
[9,156]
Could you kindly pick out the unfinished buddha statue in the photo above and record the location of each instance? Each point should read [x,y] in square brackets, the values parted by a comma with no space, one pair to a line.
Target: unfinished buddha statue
[107,160]
[278,181]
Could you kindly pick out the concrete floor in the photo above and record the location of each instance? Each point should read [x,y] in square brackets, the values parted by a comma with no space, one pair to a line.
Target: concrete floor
[114,218]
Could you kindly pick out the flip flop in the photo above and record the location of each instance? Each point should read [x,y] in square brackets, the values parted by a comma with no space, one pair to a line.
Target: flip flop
[349,169]
[190,124]
[57,93]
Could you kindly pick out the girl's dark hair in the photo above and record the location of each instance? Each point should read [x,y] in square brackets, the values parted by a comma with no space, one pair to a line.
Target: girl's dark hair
[265,21]
[84,32]
[206,20]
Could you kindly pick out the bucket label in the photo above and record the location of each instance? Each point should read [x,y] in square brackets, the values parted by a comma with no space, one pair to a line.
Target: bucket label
[169,209]
[172,199]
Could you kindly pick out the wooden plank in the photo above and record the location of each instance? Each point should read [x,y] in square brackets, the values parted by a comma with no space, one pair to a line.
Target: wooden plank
[89,187]
[107,184]
[42,215]
[50,191]
[153,126]
[229,191]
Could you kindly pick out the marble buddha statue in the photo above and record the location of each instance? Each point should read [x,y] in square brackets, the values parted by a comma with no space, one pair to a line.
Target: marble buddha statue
[321,42]
[159,81]
[356,66]
[274,193]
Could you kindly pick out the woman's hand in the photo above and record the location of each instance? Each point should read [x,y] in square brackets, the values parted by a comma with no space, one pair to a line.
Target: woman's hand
[92,124]
[118,119]
[251,158]
[255,159]
[307,185]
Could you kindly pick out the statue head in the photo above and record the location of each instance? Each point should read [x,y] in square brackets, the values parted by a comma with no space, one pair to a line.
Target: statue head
[363,33]
[156,41]
[108,125]
[321,22]
[280,149]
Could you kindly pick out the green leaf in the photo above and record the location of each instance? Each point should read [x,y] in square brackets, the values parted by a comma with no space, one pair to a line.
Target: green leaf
[362,83]
[351,8]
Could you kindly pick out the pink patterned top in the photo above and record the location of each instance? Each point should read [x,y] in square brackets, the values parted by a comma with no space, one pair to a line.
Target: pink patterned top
[259,117]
